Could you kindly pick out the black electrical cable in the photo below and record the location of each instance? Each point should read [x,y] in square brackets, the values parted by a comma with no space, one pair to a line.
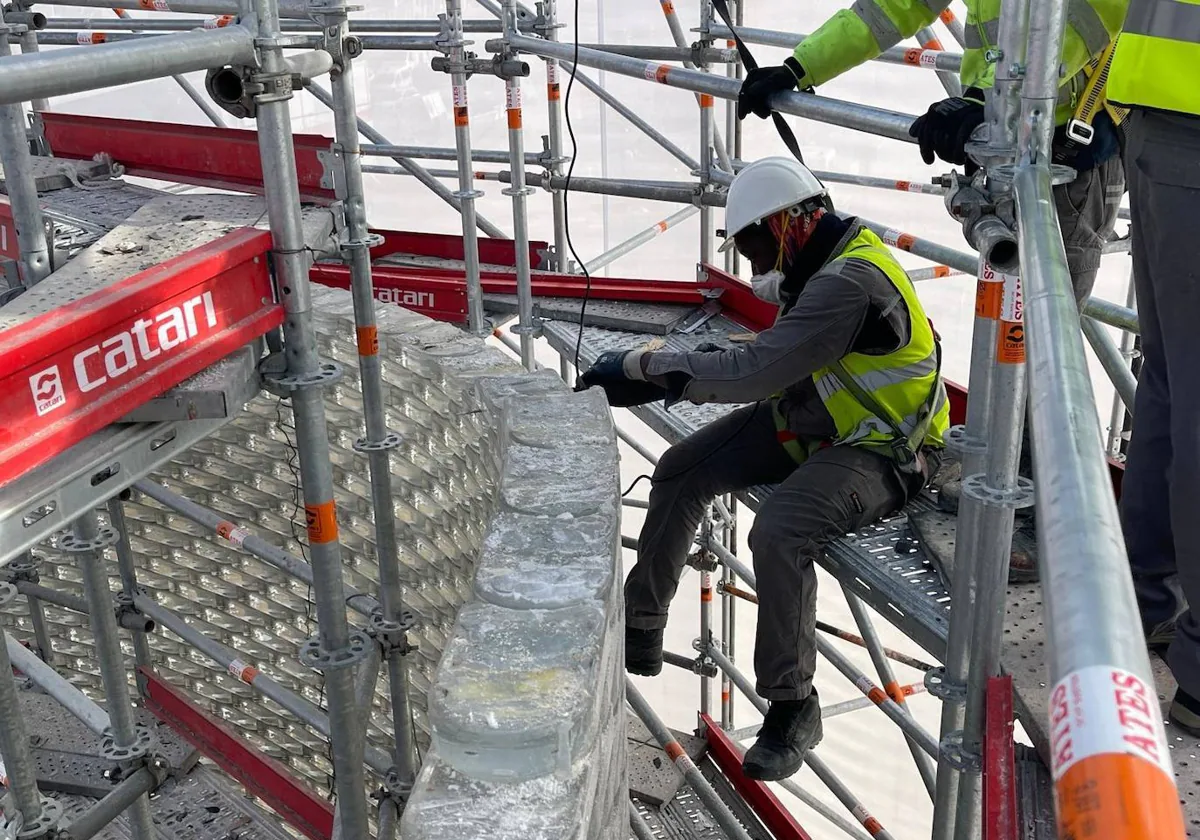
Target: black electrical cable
[587,289]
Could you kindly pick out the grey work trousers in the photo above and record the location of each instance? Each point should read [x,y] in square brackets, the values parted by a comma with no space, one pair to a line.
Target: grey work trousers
[1160,494]
[1087,212]
[837,490]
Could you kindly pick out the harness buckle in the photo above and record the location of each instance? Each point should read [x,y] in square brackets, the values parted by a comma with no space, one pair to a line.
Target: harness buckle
[902,453]
[1080,132]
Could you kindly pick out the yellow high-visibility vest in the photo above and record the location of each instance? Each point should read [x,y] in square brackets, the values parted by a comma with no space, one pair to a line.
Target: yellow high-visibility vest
[1157,63]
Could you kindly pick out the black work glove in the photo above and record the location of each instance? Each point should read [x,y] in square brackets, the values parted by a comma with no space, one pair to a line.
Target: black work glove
[946,127]
[608,372]
[764,82]
[709,347]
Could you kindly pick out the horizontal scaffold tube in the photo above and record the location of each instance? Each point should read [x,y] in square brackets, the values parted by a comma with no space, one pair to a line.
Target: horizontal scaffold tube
[240,537]
[151,24]
[287,8]
[305,711]
[59,72]
[96,818]
[836,112]
[446,153]
[54,684]
[910,56]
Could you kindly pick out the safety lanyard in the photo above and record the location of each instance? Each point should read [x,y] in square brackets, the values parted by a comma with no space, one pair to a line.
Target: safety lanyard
[1080,128]
[785,130]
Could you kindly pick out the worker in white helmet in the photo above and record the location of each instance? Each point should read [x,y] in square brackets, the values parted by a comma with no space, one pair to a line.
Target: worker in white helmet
[847,414]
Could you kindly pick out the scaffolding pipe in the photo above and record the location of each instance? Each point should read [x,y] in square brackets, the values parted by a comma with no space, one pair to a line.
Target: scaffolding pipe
[930,59]
[29,44]
[1112,360]
[157,24]
[929,41]
[814,762]
[95,819]
[287,8]
[229,659]
[378,441]
[54,597]
[554,142]
[128,571]
[54,684]
[239,537]
[680,39]
[106,65]
[1084,568]
[19,182]
[641,831]
[637,122]
[409,166]
[732,563]
[1119,417]
[891,686]
[683,762]
[1113,314]
[17,759]
[519,192]
[876,121]
[444,153]
[87,544]
[617,251]
[456,57]
[308,408]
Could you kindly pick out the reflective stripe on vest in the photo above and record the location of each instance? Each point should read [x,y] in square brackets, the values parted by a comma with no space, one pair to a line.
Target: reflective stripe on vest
[1158,56]
[900,381]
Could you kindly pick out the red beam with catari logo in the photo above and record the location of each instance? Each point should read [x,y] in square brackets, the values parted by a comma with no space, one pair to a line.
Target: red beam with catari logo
[71,371]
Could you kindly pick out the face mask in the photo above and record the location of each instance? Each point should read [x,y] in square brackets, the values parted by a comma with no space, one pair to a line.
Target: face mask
[766,286]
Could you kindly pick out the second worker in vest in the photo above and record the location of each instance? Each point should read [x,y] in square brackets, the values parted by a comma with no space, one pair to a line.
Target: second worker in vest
[846,417]
[1087,207]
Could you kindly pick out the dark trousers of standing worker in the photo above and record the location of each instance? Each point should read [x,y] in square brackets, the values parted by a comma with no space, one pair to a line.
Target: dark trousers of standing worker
[1160,495]
[837,490]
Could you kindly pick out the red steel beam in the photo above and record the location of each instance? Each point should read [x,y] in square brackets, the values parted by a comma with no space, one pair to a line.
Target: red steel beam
[71,371]
[999,763]
[260,775]
[447,247]
[778,819]
[225,158]
[8,232]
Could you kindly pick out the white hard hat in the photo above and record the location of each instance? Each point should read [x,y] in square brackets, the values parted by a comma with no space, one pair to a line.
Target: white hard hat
[764,187]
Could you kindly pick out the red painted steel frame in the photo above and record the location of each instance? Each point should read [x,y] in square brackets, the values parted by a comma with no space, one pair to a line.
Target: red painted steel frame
[75,369]
[778,820]
[999,763]
[225,158]
[8,232]
[447,247]
[260,775]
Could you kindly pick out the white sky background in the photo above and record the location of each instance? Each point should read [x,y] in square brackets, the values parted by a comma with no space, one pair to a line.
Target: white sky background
[410,104]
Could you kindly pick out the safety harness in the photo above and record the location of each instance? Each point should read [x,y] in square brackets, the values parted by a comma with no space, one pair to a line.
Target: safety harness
[1094,99]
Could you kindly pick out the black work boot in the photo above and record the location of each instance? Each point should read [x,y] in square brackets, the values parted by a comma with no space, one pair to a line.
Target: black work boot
[643,651]
[1185,712]
[790,729]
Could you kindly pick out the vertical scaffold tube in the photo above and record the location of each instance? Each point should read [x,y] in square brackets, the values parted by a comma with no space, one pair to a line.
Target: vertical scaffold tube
[305,376]
[129,585]
[729,618]
[519,191]
[462,143]
[378,442]
[20,186]
[1101,688]
[17,768]
[681,40]
[968,596]
[558,197]
[87,544]
[706,212]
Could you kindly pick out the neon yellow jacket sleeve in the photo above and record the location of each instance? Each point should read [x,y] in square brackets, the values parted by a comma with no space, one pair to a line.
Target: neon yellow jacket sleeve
[860,33]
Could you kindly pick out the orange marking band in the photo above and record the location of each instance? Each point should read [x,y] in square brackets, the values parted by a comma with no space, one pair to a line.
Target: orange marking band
[913,56]
[321,520]
[674,751]
[933,44]
[947,16]
[877,696]
[514,117]
[368,341]
[706,100]
[894,691]
[706,594]
[461,116]
[1115,795]
[552,92]
[662,226]
[661,73]
[667,6]
[905,241]
[872,826]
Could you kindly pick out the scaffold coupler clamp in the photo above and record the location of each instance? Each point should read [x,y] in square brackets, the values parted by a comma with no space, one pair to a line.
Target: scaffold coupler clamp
[130,758]
[394,788]
[129,617]
[703,560]
[703,665]
[392,635]
[547,11]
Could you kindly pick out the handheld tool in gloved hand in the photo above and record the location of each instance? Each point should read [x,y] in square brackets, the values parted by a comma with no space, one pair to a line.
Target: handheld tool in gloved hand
[619,373]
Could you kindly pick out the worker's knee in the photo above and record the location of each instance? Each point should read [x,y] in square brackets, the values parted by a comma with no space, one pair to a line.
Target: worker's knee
[776,537]
[680,463]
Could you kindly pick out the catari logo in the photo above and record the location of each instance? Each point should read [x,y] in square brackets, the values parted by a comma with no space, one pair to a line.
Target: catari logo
[47,389]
